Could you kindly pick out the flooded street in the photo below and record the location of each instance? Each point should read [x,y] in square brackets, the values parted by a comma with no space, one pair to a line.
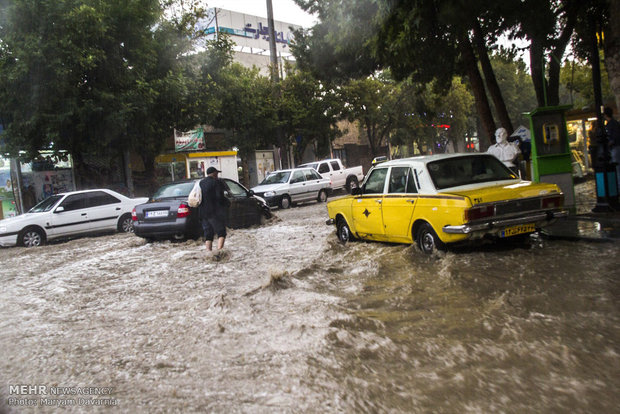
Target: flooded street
[295,322]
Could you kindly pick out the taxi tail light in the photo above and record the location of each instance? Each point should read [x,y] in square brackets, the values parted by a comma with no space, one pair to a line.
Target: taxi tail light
[183,210]
[134,215]
[479,212]
[555,201]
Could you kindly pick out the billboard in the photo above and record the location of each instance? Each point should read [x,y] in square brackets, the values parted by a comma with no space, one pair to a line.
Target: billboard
[251,33]
[189,141]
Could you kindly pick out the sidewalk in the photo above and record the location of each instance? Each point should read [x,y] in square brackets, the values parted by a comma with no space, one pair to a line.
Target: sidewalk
[585,224]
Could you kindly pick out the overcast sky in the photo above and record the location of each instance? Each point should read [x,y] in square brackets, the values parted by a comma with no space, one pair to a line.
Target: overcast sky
[283,10]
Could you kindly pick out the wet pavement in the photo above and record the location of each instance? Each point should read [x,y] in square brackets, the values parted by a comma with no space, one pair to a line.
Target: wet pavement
[586,224]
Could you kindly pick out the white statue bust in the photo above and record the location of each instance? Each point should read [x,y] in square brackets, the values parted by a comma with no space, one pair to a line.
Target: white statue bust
[504,150]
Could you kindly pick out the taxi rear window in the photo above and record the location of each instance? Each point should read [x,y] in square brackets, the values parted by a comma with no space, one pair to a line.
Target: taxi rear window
[454,172]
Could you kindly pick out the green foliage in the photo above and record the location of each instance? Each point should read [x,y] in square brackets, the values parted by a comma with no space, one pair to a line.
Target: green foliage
[309,111]
[423,110]
[90,75]
[339,46]
[516,85]
[246,107]
[375,103]
[576,79]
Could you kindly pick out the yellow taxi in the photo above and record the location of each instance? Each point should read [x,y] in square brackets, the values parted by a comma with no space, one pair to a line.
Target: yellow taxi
[442,199]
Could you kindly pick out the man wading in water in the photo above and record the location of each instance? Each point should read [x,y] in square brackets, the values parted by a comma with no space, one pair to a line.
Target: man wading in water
[213,211]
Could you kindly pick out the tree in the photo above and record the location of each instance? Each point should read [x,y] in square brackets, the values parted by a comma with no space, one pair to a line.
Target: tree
[548,25]
[426,40]
[612,49]
[89,76]
[246,109]
[310,111]
[516,85]
[576,82]
[428,119]
[375,103]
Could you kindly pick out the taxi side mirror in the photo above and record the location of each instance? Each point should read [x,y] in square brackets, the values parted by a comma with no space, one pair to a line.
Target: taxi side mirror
[356,191]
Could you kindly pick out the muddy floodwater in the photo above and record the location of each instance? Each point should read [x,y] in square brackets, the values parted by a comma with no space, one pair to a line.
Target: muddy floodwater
[293,321]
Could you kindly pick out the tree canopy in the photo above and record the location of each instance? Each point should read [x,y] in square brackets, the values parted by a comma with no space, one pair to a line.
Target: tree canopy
[84,76]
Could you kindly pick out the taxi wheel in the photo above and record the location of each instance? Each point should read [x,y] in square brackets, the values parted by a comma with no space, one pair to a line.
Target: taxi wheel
[427,239]
[31,237]
[343,231]
[322,196]
[285,202]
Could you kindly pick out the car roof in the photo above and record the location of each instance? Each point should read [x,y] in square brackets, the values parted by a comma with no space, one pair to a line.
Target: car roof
[90,190]
[424,159]
[291,169]
[317,161]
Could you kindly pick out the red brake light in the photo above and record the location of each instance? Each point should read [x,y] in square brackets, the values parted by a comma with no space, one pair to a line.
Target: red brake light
[480,212]
[183,210]
[555,201]
[134,215]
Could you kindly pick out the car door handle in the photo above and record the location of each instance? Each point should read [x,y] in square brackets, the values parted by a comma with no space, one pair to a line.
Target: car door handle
[379,201]
[411,201]
[118,208]
[83,214]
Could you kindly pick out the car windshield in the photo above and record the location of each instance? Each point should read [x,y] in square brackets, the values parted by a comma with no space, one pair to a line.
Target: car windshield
[173,190]
[279,177]
[454,172]
[310,165]
[45,205]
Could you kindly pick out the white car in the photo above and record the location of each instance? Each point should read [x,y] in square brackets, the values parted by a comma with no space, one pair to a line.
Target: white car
[284,187]
[68,214]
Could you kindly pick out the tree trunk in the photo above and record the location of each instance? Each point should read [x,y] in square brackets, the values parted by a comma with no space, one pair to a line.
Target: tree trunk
[555,62]
[480,96]
[612,50]
[491,81]
[371,138]
[536,68]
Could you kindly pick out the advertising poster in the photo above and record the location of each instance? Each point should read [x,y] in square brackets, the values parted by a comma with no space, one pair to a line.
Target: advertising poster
[47,183]
[7,199]
[189,141]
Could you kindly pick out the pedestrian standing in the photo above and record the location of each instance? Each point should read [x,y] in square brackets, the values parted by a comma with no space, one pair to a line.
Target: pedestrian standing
[213,211]
[612,127]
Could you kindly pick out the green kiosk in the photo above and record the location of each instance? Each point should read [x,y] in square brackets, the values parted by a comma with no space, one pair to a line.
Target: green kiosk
[551,156]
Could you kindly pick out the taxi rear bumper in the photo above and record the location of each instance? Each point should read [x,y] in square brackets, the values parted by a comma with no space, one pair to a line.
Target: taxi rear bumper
[541,219]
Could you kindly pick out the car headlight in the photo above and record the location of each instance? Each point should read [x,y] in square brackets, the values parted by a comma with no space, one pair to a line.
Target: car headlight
[270,193]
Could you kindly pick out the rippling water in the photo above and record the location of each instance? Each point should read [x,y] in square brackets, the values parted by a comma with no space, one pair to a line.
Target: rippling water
[296,322]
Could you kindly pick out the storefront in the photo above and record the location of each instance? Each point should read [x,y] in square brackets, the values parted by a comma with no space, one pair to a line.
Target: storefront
[25,184]
[8,206]
[179,166]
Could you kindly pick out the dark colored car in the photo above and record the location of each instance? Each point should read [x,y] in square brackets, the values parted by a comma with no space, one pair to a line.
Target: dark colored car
[167,214]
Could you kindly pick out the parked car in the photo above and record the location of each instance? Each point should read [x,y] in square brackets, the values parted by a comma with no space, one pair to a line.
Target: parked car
[69,214]
[443,199]
[167,214]
[285,187]
[341,177]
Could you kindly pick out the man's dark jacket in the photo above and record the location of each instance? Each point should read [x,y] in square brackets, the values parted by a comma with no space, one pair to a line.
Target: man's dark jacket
[613,132]
[214,202]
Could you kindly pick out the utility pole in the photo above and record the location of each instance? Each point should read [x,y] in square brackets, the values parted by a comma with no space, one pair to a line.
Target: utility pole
[273,54]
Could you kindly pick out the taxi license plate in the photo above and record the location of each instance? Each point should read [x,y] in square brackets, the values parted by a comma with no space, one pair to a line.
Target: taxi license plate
[157,213]
[514,230]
